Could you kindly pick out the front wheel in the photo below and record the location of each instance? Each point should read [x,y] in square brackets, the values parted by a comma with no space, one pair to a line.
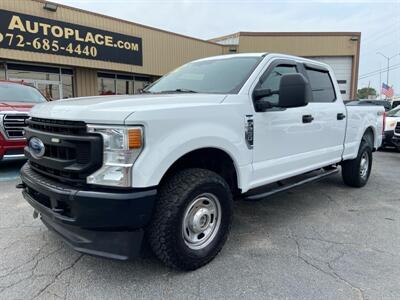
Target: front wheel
[192,219]
[356,172]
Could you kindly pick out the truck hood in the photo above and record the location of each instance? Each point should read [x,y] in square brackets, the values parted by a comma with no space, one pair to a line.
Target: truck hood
[115,109]
[15,106]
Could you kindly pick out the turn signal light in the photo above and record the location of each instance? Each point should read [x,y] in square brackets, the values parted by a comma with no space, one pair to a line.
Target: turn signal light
[135,138]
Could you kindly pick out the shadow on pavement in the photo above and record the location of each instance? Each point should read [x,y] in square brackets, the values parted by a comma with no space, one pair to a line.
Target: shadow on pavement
[9,170]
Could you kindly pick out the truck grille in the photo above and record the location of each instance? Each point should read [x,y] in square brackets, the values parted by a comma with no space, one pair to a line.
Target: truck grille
[14,125]
[58,126]
[71,153]
[397,129]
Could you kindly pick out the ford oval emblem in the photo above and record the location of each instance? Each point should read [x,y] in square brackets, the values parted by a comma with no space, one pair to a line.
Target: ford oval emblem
[36,147]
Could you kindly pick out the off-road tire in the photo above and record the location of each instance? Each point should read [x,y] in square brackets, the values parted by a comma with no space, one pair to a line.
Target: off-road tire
[351,168]
[165,231]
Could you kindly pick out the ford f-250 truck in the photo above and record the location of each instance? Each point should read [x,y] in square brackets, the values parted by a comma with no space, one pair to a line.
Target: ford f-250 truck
[110,174]
[16,100]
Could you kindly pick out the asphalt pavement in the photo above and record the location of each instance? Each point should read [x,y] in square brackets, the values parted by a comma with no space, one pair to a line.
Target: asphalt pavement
[320,241]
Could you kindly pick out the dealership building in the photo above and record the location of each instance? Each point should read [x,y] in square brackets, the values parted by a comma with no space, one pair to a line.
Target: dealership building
[67,52]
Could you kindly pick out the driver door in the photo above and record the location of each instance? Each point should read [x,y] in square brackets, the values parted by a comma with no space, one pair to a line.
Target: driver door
[283,142]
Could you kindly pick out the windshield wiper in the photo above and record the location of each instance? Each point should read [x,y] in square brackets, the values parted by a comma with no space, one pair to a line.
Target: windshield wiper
[178,91]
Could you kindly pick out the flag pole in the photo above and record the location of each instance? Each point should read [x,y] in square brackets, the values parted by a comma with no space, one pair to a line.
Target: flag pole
[380,82]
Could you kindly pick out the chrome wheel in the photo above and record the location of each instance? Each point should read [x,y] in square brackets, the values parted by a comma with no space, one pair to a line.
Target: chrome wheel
[364,165]
[201,221]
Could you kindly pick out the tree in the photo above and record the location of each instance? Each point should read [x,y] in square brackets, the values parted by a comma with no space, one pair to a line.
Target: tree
[365,92]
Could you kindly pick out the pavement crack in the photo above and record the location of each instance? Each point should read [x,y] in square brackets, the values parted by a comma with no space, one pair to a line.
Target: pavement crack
[71,266]
[359,291]
[333,274]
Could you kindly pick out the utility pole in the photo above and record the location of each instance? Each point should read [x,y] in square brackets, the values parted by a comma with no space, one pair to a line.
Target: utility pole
[388,63]
[380,82]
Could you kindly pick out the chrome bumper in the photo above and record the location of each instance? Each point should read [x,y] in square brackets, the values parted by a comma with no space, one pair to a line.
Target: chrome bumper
[11,157]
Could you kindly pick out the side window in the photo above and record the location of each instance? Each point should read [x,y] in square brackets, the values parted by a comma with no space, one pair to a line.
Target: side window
[321,86]
[273,80]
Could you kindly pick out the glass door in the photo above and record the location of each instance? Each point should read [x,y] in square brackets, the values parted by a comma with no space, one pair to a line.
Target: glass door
[50,89]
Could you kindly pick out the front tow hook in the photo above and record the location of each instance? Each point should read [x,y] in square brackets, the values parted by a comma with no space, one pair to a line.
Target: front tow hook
[20,186]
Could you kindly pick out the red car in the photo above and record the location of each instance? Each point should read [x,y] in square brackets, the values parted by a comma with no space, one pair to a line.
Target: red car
[16,100]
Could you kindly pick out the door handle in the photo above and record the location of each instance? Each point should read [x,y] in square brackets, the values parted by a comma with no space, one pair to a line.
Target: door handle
[308,118]
[340,116]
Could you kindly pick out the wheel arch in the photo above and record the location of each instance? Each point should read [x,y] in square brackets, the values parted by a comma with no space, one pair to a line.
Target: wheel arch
[370,134]
[211,158]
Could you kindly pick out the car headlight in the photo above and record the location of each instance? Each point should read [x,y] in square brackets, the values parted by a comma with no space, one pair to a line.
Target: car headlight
[121,147]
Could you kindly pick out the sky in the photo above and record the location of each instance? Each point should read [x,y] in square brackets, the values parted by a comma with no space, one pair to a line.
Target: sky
[378,22]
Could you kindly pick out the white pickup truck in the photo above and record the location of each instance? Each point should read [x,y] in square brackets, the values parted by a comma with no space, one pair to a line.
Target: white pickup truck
[117,175]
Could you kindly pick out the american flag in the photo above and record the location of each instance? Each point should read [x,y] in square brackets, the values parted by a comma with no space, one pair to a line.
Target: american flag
[387,90]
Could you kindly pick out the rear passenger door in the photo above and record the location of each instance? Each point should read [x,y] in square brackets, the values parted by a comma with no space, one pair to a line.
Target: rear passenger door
[328,112]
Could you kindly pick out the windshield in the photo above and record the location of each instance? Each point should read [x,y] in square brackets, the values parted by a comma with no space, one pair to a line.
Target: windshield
[394,113]
[12,92]
[221,76]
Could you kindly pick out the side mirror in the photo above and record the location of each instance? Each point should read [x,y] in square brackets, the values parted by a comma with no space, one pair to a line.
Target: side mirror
[261,93]
[294,90]
[258,94]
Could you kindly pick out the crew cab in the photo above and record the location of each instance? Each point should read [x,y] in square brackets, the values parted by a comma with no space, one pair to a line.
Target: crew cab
[16,100]
[113,174]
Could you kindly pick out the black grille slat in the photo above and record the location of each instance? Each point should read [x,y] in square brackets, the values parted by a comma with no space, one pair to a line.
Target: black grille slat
[14,125]
[58,126]
[397,129]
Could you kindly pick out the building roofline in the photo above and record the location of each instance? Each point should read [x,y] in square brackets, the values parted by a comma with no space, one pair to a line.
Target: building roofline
[301,33]
[127,22]
[287,33]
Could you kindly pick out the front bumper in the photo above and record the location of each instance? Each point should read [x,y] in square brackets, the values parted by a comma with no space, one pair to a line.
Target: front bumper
[387,138]
[99,222]
[396,141]
[11,149]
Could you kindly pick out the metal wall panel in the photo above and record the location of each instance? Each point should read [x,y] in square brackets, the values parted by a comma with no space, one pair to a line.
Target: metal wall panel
[85,82]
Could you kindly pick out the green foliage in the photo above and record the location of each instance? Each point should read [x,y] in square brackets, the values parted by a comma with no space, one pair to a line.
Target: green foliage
[365,92]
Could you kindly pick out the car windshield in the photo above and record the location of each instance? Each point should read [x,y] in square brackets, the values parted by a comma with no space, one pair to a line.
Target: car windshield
[394,113]
[221,76]
[12,92]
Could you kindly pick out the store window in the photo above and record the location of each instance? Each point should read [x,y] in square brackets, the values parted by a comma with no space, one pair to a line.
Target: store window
[54,83]
[67,82]
[124,84]
[106,84]
[118,84]
[2,71]
[140,83]
[27,72]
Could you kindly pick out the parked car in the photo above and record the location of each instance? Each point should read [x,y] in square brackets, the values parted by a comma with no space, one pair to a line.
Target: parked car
[16,100]
[395,103]
[392,117]
[107,173]
[396,136]
[386,104]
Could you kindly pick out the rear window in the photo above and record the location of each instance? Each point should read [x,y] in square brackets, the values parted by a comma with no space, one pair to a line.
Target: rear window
[12,92]
[321,86]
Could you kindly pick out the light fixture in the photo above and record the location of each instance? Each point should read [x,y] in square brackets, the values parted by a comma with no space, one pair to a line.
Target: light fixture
[354,39]
[51,6]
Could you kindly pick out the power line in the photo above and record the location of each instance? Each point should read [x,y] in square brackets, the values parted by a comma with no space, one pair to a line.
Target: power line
[376,72]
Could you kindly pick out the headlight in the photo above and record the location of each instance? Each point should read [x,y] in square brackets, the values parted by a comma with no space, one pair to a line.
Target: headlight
[121,147]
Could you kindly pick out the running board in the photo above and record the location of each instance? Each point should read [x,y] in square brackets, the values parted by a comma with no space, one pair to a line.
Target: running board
[280,189]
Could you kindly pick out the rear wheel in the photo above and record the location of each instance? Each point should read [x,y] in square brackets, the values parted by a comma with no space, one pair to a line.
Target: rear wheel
[192,219]
[356,172]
